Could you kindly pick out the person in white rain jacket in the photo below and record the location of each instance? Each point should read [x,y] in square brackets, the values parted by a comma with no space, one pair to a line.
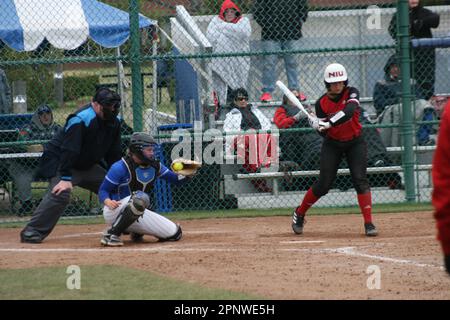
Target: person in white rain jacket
[229,32]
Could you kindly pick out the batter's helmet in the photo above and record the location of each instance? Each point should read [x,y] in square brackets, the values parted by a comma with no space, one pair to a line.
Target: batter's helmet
[335,72]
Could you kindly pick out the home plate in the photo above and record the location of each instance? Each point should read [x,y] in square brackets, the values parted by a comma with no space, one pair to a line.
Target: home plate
[301,241]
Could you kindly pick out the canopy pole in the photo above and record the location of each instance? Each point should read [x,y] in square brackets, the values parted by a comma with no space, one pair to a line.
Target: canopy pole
[120,81]
[155,87]
[135,61]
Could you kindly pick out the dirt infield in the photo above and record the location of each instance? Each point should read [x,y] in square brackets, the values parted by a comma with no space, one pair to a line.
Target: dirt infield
[262,256]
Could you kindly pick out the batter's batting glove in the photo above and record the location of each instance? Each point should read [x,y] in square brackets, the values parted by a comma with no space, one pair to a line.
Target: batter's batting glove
[447,263]
[314,122]
[324,125]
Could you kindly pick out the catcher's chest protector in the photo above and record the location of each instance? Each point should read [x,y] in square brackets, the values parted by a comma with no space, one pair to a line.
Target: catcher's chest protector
[141,178]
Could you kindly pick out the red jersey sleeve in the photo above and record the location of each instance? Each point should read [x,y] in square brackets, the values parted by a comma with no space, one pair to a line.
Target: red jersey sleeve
[441,181]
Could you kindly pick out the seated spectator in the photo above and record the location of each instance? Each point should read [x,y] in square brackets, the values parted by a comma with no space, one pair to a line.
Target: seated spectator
[243,117]
[293,144]
[299,150]
[229,32]
[388,91]
[387,98]
[41,127]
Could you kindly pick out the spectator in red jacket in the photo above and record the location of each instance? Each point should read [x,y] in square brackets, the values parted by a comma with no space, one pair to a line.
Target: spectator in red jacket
[441,185]
[300,147]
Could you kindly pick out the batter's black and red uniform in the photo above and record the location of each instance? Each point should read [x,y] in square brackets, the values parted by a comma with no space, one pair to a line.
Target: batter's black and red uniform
[343,140]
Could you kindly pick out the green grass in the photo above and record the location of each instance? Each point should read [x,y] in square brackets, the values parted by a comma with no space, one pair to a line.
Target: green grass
[103,283]
[249,213]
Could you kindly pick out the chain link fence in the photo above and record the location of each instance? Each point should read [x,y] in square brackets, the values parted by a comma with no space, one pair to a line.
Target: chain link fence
[175,69]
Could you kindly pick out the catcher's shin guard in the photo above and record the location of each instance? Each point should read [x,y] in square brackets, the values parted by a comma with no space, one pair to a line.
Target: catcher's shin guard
[133,211]
[177,236]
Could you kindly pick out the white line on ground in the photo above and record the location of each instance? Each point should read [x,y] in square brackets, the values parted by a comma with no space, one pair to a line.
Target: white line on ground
[118,249]
[300,242]
[77,235]
[351,252]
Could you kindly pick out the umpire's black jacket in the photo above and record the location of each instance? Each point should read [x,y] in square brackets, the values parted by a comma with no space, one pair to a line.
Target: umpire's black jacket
[86,140]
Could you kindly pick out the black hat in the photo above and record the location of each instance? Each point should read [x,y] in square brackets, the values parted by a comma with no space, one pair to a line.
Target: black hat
[239,93]
[106,97]
[43,109]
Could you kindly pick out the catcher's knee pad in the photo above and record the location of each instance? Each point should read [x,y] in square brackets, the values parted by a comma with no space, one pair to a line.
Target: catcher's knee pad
[139,201]
[177,236]
[133,211]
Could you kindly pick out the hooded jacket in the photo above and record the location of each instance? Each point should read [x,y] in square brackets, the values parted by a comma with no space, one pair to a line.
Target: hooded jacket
[230,37]
[421,22]
[35,130]
[388,91]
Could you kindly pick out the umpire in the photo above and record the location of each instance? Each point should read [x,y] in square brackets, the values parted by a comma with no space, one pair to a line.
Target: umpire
[77,156]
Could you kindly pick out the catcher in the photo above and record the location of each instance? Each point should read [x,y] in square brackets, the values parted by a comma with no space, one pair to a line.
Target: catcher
[125,194]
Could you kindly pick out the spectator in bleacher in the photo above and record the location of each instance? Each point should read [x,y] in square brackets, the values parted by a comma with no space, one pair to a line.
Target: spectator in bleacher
[421,22]
[299,150]
[78,155]
[281,22]
[300,147]
[244,117]
[229,32]
[387,96]
[41,127]
[5,94]
[388,91]
[441,183]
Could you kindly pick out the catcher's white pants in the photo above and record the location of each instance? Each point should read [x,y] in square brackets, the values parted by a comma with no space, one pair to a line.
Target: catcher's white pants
[150,223]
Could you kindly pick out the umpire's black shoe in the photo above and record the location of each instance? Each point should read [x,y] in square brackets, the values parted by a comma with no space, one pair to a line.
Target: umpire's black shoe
[370,229]
[27,236]
[297,223]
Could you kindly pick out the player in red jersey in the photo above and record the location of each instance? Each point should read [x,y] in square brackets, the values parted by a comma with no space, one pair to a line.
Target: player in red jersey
[338,113]
[441,183]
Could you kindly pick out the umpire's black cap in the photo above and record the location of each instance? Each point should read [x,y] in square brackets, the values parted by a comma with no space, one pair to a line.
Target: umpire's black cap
[107,98]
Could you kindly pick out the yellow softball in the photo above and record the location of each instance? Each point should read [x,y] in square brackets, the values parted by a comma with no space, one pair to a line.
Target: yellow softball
[177,166]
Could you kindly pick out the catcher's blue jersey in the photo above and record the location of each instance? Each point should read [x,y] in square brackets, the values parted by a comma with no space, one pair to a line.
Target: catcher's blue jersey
[118,181]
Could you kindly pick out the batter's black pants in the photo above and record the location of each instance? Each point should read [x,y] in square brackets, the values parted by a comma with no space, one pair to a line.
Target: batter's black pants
[331,155]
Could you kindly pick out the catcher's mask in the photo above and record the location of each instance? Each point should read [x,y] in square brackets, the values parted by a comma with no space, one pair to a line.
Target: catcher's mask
[110,102]
[143,146]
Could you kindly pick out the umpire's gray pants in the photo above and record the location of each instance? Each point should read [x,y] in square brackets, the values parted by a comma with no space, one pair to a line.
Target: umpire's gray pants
[52,206]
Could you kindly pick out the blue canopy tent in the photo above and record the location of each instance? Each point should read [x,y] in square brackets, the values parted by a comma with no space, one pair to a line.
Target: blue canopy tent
[66,24]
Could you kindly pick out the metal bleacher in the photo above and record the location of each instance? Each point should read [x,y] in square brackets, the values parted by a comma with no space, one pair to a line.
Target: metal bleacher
[238,184]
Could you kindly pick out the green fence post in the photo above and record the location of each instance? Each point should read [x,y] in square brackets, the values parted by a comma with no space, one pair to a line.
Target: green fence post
[407,127]
[135,61]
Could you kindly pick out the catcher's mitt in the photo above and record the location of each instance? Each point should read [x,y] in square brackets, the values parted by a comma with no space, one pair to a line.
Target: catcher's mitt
[189,167]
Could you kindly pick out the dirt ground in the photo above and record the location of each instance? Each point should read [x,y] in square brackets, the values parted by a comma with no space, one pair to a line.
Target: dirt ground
[331,260]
